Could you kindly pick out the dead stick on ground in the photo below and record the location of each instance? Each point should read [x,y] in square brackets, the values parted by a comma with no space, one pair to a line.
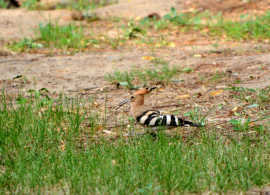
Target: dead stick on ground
[115,126]
[166,106]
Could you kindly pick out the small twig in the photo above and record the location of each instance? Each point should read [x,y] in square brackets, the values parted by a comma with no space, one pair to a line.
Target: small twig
[135,134]
[18,60]
[166,106]
[223,122]
[105,110]
[115,126]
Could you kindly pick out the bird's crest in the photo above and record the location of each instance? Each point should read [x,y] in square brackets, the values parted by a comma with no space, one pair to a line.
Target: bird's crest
[144,91]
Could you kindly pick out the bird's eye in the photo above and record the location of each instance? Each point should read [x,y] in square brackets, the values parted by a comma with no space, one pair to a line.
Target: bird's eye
[147,88]
[132,97]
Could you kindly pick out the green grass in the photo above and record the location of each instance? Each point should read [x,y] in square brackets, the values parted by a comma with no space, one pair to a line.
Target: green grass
[82,5]
[72,37]
[133,30]
[25,45]
[217,77]
[86,5]
[254,97]
[240,124]
[246,27]
[53,36]
[172,17]
[3,4]
[68,36]
[30,4]
[252,106]
[46,148]
[158,73]
[148,30]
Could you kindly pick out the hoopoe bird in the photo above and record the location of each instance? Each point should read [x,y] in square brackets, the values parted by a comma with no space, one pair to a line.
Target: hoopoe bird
[150,117]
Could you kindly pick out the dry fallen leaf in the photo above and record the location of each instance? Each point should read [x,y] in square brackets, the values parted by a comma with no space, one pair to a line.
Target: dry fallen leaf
[138,18]
[216,93]
[113,162]
[161,89]
[108,132]
[96,104]
[183,96]
[197,55]
[62,146]
[171,44]
[148,58]
[236,109]
[157,45]
[100,127]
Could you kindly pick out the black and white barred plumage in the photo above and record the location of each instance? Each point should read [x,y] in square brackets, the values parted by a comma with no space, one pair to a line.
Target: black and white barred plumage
[154,118]
[149,117]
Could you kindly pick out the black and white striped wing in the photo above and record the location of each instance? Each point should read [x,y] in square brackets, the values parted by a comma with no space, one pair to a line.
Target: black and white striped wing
[149,118]
[153,118]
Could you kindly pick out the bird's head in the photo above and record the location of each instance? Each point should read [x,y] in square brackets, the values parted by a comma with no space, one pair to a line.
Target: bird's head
[139,93]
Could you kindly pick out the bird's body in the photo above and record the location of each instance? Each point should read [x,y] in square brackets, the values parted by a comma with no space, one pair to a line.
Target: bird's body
[151,117]
[154,118]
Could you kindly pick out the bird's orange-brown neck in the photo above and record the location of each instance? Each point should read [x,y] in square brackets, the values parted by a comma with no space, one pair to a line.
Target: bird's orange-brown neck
[137,105]
[139,100]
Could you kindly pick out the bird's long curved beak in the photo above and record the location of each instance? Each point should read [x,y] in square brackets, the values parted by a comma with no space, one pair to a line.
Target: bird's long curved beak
[128,100]
[152,88]
[122,103]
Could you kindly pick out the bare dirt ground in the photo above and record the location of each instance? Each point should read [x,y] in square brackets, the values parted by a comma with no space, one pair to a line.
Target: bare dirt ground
[84,73]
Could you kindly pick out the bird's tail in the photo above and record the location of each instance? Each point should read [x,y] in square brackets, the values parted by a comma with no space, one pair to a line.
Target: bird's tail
[153,118]
[188,123]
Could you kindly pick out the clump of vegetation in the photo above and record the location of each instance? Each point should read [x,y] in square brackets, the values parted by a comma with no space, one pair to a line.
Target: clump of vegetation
[217,76]
[240,124]
[69,36]
[196,116]
[25,44]
[253,106]
[176,18]
[53,35]
[246,28]
[193,21]
[82,5]
[3,4]
[256,97]
[30,4]
[133,31]
[86,4]
[122,78]
[159,73]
